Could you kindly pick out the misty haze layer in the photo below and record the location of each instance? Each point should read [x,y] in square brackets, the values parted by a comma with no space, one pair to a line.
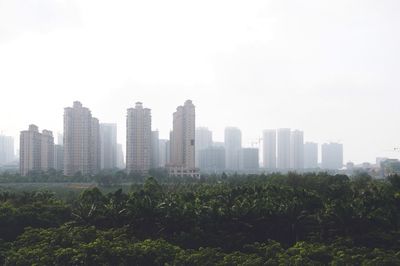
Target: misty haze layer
[329,68]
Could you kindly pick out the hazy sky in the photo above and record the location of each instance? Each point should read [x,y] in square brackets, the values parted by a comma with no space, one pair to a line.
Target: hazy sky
[330,68]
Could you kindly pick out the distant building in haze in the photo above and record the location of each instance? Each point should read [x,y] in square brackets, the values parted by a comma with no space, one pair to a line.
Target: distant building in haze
[36,150]
[59,157]
[167,152]
[310,155]
[297,150]
[233,145]
[218,144]
[203,141]
[269,149]
[155,149]
[81,141]
[60,139]
[283,159]
[332,156]
[95,148]
[6,149]
[183,141]
[108,146]
[163,152]
[120,157]
[138,139]
[249,160]
[212,160]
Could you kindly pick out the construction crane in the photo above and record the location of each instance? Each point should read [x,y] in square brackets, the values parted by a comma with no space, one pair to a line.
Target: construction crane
[256,143]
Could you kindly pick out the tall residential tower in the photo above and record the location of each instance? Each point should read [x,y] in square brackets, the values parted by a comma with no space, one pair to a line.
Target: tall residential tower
[138,139]
[81,141]
[36,150]
[183,141]
[283,149]
[269,149]
[108,146]
[233,146]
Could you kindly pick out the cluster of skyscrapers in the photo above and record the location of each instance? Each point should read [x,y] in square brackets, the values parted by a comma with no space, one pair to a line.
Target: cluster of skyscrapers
[88,146]
[282,150]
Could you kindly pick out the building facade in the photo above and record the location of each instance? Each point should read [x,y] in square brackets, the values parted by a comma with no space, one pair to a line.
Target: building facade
[183,141]
[283,156]
[163,152]
[6,149]
[59,157]
[233,145]
[138,139]
[297,150]
[120,157]
[310,155]
[36,150]
[155,149]
[212,160]
[269,149]
[203,141]
[249,160]
[81,141]
[332,156]
[108,146]
[47,151]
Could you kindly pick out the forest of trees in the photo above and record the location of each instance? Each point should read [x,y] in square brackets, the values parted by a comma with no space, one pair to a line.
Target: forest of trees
[311,219]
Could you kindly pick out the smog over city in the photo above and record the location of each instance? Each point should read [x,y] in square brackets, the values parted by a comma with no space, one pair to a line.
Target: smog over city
[133,98]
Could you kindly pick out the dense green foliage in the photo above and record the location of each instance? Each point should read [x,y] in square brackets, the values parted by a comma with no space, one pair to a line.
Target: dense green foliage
[254,220]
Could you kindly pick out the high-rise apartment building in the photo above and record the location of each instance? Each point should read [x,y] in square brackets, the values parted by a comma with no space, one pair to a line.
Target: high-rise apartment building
[249,160]
[283,158]
[310,155]
[297,150]
[212,160]
[60,139]
[269,149]
[155,149]
[183,141]
[332,156]
[108,146]
[47,151]
[58,157]
[203,141]
[163,152]
[120,157]
[233,145]
[6,149]
[36,150]
[138,139]
[167,152]
[95,146]
[81,141]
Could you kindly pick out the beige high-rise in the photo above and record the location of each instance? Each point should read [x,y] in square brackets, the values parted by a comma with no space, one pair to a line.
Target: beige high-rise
[47,150]
[81,141]
[138,139]
[36,150]
[183,141]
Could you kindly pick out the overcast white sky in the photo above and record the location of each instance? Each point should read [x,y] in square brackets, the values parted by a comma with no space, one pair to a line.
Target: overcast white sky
[330,68]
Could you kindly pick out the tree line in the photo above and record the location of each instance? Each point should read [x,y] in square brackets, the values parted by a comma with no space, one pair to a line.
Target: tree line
[310,219]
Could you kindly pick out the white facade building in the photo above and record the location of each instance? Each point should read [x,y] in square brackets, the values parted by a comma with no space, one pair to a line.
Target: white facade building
[233,146]
[283,158]
[269,149]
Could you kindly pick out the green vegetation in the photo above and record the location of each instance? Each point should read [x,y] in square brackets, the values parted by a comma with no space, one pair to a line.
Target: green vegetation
[239,220]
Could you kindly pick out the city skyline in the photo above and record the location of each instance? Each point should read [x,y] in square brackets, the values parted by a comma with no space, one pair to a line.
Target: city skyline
[259,144]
